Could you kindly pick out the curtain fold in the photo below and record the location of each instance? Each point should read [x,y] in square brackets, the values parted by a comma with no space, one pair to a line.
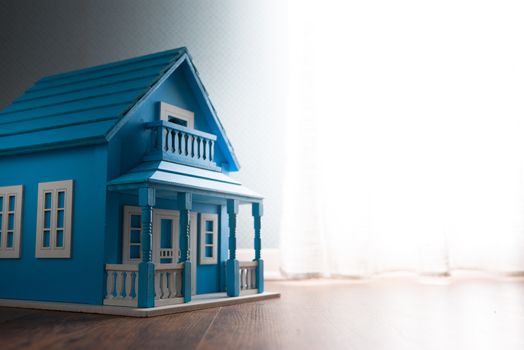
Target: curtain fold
[404,145]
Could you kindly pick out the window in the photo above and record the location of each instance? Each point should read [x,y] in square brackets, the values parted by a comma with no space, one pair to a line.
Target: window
[208,238]
[10,221]
[55,203]
[132,252]
[177,115]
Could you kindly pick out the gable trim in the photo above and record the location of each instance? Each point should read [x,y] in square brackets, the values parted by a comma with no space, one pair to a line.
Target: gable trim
[126,115]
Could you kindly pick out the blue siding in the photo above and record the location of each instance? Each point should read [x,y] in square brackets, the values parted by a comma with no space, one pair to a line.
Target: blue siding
[77,279]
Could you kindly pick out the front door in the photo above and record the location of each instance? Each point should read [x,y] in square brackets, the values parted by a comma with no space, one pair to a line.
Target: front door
[166,240]
[165,236]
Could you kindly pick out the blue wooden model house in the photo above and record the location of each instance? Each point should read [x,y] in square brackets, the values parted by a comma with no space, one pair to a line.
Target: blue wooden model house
[114,190]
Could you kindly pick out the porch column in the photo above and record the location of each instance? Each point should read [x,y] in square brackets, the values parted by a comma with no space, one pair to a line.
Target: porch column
[232,266]
[146,268]
[257,210]
[185,204]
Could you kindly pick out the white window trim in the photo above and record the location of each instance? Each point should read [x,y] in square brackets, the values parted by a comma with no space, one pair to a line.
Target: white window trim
[6,192]
[167,110]
[52,251]
[128,211]
[203,259]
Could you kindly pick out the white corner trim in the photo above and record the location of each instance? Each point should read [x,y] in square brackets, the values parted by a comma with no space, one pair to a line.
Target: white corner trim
[271,257]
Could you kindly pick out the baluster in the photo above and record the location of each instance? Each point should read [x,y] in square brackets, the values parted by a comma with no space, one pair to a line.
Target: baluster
[171,285]
[253,278]
[169,140]
[176,142]
[165,135]
[197,147]
[110,284]
[190,141]
[208,150]
[201,149]
[126,284]
[159,138]
[205,154]
[183,144]
[242,278]
[165,285]
[211,150]
[157,285]
[179,283]
[171,145]
[119,284]
[134,286]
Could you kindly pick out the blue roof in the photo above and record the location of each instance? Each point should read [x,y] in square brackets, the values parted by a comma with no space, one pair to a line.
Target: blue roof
[85,106]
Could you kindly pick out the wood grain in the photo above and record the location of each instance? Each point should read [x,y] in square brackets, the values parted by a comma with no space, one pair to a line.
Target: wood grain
[317,314]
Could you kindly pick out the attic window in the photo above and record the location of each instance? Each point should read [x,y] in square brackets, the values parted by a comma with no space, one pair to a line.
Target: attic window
[177,115]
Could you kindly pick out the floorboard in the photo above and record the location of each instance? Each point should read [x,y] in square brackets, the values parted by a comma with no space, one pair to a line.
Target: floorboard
[385,313]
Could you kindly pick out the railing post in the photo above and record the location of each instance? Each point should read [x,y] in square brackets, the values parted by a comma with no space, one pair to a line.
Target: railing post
[258,211]
[185,202]
[232,266]
[146,268]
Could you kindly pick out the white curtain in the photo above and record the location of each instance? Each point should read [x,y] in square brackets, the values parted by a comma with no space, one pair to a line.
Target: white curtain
[405,138]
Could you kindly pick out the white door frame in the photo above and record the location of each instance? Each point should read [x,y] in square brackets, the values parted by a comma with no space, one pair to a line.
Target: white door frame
[173,253]
[158,214]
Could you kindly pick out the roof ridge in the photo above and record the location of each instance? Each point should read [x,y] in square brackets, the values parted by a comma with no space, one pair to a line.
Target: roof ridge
[90,69]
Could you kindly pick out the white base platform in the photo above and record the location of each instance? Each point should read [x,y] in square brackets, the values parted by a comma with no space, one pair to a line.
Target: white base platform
[199,302]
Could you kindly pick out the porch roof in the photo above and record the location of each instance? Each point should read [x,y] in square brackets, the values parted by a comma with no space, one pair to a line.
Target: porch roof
[183,177]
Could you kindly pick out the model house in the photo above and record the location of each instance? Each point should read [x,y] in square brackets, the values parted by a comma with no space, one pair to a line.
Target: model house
[115,190]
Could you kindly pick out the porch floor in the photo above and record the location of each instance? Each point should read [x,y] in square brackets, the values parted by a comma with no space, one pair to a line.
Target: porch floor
[202,301]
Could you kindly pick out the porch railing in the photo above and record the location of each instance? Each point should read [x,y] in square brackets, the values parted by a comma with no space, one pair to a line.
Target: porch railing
[248,277]
[181,144]
[168,284]
[122,285]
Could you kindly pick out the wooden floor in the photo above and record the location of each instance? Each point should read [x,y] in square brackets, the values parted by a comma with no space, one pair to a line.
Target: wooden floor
[387,313]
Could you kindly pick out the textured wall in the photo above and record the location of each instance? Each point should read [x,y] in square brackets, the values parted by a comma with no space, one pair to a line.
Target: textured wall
[239,48]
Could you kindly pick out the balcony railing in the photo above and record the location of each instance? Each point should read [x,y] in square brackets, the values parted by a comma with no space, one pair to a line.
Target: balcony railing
[179,144]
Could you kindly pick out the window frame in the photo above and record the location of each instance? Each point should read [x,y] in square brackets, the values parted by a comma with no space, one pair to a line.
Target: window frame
[205,260]
[128,211]
[6,192]
[167,110]
[53,251]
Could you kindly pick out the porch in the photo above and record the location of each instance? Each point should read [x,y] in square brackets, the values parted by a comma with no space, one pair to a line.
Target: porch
[123,288]
[166,276]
